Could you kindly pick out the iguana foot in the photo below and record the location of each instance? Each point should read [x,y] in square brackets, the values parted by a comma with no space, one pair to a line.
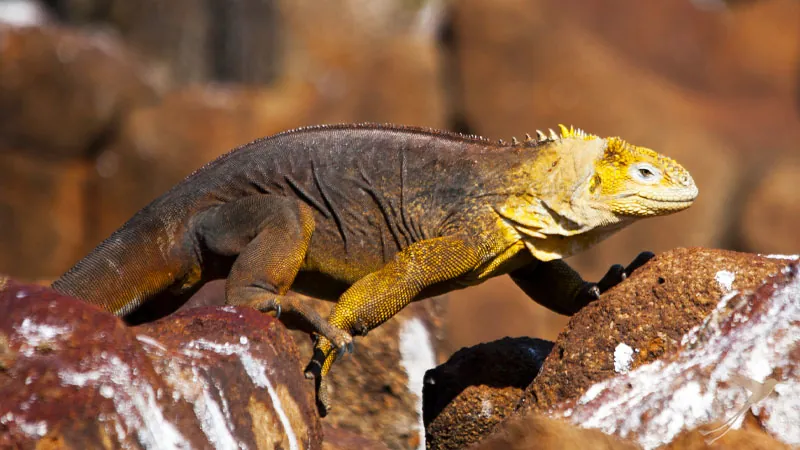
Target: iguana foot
[295,306]
[615,275]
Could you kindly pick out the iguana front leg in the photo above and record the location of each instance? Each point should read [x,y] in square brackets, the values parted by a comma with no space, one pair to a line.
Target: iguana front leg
[270,234]
[558,287]
[380,295]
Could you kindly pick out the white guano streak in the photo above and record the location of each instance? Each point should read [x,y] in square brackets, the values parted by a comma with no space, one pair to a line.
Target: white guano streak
[256,370]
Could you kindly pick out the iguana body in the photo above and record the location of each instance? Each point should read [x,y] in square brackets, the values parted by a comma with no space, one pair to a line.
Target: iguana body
[374,217]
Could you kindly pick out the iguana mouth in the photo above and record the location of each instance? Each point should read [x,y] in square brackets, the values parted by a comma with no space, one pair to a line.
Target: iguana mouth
[677,196]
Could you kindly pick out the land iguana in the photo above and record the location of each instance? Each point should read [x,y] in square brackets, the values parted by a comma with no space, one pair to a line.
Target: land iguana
[374,217]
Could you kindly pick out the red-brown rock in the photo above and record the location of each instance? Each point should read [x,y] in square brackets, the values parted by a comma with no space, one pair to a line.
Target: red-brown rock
[43,211]
[744,439]
[76,377]
[63,91]
[771,211]
[340,439]
[538,432]
[465,398]
[643,318]
[717,372]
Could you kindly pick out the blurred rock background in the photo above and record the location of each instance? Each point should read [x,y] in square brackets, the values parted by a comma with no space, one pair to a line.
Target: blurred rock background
[105,104]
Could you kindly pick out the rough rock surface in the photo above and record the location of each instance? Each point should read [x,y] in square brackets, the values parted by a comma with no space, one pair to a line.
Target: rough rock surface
[72,376]
[643,318]
[718,371]
[465,398]
[63,91]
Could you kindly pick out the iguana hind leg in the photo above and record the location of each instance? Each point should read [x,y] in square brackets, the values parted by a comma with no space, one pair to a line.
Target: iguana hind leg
[270,234]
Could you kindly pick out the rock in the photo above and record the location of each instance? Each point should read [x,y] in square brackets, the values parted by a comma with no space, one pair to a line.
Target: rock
[465,398]
[42,213]
[76,377]
[62,92]
[377,391]
[745,439]
[748,347]
[341,439]
[537,432]
[196,41]
[643,319]
[771,210]
[368,64]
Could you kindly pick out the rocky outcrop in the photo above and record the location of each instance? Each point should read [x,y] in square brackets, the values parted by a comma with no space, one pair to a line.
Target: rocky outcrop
[771,209]
[465,398]
[643,318]
[63,91]
[678,347]
[730,364]
[72,376]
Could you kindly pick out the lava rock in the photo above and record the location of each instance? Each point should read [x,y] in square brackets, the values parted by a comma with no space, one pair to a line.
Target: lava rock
[725,368]
[73,376]
[643,318]
[465,398]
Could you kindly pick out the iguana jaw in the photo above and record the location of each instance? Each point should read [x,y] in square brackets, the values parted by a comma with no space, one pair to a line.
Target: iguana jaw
[649,203]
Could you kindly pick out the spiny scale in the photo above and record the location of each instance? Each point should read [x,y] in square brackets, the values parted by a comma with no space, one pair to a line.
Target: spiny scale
[542,137]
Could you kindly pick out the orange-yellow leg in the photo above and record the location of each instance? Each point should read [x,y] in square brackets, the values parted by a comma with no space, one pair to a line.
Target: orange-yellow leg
[380,295]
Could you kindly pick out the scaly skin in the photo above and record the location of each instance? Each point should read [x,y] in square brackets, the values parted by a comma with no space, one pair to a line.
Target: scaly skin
[375,217]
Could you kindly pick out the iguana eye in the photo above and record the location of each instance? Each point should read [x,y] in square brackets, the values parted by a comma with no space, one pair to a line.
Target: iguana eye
[645,173]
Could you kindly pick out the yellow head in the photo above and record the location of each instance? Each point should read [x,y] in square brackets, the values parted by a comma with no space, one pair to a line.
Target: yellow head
[636,181]
[583,188]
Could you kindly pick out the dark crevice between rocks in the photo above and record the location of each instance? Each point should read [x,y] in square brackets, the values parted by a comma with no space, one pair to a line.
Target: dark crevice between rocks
[487,378]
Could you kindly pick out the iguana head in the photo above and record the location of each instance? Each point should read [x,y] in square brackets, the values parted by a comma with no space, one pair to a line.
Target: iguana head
[578,188]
